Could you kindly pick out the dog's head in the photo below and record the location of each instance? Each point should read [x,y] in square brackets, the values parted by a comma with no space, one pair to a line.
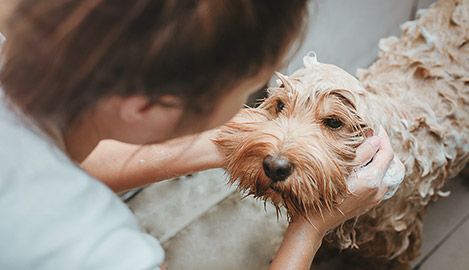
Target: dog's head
[297,148]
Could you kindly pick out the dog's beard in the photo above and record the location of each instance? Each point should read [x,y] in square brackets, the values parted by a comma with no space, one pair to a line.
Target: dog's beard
[322,158]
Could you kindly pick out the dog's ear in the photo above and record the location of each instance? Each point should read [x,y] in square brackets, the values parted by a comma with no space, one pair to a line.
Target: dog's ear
[284,81]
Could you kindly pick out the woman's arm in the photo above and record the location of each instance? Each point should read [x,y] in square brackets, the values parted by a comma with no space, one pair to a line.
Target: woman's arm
[299,245]
[124,166]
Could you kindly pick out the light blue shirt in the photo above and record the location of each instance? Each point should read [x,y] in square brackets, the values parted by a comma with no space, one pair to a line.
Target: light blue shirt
[55,216]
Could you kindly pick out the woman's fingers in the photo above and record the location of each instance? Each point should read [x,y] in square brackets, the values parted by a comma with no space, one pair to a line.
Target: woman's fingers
[384,155]
[383,174]
[367,150]
[376,153]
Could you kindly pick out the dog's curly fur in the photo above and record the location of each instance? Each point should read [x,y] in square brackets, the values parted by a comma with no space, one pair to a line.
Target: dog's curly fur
[418,90]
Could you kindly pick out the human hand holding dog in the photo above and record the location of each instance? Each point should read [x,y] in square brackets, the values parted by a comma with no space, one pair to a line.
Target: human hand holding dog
[365,184]
[304,235]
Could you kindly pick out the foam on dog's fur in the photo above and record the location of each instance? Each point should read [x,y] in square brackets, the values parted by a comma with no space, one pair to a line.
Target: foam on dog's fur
[418,90]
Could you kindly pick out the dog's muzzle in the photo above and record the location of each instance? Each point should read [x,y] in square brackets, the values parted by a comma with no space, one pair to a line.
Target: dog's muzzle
[277,168]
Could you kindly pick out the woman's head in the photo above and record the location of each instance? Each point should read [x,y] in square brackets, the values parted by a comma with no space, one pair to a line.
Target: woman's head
[62,57]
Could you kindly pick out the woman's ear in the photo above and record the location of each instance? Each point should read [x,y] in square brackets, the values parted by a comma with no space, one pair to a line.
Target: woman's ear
[137,108]
[138,120]
[132,109]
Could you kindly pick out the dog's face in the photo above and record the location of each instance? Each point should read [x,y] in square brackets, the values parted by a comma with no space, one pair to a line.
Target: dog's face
[297,148]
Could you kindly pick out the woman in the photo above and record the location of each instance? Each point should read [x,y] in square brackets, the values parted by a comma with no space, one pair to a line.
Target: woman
[139,72]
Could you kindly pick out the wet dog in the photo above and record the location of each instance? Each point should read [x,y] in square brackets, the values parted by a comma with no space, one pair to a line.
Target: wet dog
[297,148]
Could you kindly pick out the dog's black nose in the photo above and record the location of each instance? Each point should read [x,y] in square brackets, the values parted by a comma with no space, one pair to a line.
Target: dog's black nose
[277,168]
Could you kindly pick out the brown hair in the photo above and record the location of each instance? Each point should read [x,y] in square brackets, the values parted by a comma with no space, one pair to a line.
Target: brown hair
[62,56]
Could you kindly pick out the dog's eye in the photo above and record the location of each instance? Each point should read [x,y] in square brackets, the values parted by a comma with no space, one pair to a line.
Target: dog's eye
[280,106]
[333,123]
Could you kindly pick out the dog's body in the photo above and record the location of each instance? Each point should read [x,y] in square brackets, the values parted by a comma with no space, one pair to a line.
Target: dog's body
[298,147]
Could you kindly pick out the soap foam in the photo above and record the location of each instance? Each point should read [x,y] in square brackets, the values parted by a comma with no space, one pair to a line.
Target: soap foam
[393,177]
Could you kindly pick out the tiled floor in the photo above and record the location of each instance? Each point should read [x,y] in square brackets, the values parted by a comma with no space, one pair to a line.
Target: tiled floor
[446,229]
[204,224]
[452,252]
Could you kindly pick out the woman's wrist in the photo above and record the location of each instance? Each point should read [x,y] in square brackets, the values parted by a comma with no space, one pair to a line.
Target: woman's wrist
[300,243]
[212,155]
[315,228]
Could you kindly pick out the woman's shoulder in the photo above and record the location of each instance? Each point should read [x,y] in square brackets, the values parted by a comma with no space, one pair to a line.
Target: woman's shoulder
[59,209]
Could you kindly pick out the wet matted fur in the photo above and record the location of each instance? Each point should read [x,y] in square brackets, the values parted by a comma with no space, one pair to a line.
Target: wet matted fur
[418,90]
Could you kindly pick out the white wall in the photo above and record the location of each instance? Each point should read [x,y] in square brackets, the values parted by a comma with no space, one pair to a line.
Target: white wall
[346,32]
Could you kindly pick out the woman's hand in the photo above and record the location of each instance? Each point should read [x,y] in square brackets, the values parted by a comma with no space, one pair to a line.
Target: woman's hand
[303,238]
[366,182]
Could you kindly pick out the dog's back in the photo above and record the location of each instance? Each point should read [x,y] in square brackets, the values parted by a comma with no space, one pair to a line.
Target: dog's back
[418,90]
